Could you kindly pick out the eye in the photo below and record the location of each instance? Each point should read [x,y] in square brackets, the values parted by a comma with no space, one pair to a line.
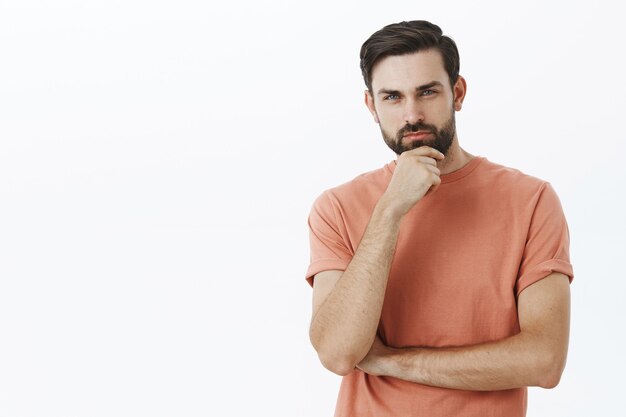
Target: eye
[391,97]
[430,92]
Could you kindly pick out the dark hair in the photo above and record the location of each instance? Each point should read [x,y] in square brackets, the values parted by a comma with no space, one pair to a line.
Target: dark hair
[405,38]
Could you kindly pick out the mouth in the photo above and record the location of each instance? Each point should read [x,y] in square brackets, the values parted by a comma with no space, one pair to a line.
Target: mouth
[416,135]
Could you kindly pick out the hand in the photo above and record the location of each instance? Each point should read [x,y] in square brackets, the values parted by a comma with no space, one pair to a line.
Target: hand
[374,362]
[415,176]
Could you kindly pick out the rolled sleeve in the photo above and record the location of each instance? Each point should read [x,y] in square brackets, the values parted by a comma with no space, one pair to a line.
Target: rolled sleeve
[328,246]
[547,245]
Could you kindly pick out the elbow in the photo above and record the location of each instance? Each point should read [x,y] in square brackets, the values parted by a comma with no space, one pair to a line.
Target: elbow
[336,361]
[333,358]
[341,366]
[551,371]
[549,381]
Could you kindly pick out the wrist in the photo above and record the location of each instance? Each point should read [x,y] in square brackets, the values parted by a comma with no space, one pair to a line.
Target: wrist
[387,207]
[402,363]
[388,361]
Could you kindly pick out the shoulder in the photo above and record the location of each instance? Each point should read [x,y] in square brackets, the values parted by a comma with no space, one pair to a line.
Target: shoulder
[362,188]
[511,180]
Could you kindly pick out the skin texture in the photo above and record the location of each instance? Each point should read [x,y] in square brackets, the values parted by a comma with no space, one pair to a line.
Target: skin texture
[534,357]
[347,304]
[396,100]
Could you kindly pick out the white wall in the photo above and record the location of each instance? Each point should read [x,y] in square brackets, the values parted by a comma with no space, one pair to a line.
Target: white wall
[158,161]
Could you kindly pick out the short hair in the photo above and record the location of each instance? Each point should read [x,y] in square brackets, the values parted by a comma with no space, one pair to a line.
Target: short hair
[405,38]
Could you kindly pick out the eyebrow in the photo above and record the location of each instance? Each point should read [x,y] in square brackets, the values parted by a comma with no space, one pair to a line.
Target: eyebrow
[420,88]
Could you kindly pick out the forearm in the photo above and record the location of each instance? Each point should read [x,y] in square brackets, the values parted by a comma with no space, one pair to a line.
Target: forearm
[514,362]
[345,325]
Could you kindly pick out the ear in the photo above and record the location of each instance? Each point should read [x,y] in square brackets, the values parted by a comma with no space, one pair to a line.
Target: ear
[369,102]
[459,90]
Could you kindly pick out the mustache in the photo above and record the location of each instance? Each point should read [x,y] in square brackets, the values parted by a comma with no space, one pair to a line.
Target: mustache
[418,127]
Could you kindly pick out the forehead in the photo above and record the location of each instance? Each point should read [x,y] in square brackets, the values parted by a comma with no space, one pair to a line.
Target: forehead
[399,72]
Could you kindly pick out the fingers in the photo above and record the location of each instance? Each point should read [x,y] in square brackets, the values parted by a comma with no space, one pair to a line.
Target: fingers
[436,184]
[434,170]
[427,160]
[423,154]
[425,157]
[416,175]
[425,151]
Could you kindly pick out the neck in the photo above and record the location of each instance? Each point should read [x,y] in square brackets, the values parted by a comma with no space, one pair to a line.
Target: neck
[456,158]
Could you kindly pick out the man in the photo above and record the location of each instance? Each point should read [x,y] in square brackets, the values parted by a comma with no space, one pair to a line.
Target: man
[441,280]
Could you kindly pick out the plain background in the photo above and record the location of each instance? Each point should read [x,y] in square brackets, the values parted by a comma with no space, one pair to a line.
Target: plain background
[158,161]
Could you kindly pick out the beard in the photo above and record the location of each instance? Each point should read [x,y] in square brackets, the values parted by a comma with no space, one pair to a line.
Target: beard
[442,141]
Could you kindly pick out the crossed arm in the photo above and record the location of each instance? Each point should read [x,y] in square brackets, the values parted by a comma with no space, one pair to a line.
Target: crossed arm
[534,357]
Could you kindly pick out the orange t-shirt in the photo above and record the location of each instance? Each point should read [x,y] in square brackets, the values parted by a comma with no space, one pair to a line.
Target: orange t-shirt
[464,254]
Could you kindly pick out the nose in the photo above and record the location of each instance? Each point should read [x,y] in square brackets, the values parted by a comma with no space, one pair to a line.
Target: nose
[413,112]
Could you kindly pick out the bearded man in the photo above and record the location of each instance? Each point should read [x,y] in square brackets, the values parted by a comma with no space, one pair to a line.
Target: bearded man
[440,280]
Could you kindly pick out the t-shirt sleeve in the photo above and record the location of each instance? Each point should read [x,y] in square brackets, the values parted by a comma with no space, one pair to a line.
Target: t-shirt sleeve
[547,243]
[327,238]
